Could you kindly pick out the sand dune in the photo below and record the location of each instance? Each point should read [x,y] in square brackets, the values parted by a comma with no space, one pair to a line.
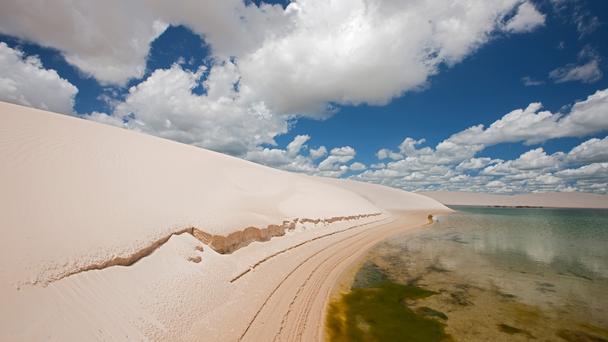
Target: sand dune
[113,235]
[552,200]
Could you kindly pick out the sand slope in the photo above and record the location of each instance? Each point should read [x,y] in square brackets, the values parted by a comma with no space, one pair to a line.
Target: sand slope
[383,196]
[113,235]
[552,199]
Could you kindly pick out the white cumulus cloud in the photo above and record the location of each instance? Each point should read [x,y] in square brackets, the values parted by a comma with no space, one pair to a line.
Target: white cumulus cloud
[357,166]
[587,73]
[587,70]
[453,164]
[298,157]
[591,151]
[220,119]
[526,19]
[25,81]
[110,39]
[351,52]
[532,125]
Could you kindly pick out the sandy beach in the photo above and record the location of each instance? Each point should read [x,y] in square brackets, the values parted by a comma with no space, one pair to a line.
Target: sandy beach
[294,308]
[113,235]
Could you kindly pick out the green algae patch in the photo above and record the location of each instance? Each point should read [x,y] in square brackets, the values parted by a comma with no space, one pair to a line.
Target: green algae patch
[429,312]
[381,314]
[595,330]
[511,330]
[369,275]
[578,336]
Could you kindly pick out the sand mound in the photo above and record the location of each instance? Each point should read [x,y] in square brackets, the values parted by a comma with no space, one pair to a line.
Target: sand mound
[114,227]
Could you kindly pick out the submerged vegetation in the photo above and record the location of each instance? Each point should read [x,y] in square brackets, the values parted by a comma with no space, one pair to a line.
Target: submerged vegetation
[379,312]
[511,330]
[482,267]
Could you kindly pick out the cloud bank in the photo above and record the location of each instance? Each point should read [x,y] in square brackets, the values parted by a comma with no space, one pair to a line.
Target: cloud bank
[453,164]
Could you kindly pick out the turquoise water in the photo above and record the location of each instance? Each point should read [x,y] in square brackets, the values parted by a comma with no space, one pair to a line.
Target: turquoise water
[569,241]
[505,274]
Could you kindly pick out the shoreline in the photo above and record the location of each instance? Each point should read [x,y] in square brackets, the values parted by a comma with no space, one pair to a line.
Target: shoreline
[549,200]
[296,307]
[474,280]
[522,207]
[343,284]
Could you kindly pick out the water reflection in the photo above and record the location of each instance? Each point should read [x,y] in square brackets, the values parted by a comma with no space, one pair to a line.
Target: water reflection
[565,239]
[528,272]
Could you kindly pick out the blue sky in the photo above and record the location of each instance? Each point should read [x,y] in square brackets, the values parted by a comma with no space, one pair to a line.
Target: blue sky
[269,110]
[481,89]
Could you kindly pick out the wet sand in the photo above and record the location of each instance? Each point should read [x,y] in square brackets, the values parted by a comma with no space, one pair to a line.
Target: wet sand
[299,300]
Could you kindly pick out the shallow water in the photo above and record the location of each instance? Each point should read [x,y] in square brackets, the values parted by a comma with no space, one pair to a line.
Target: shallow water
[499,274]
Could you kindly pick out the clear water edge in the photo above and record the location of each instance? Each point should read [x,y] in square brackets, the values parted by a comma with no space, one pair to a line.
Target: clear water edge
[504,273]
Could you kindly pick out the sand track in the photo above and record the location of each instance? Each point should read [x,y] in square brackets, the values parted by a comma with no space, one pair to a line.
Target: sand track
[254,266]
[295,308]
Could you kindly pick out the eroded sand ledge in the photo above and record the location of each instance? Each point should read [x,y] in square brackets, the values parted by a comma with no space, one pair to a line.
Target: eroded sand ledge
[219,243]
[241,238]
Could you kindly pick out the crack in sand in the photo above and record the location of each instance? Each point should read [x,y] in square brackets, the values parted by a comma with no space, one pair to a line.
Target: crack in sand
[121,260]
[219,243]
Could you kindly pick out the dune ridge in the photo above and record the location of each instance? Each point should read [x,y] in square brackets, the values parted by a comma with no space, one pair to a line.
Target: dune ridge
[128,236]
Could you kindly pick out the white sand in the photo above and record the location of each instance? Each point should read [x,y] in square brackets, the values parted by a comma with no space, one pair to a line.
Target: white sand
[551,199]
[91,217]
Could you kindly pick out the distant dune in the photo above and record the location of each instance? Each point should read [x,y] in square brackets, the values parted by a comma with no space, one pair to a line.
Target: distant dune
[551,199]
[108,234]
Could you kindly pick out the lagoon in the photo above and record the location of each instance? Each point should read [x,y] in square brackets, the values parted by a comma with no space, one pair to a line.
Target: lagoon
[490,274]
